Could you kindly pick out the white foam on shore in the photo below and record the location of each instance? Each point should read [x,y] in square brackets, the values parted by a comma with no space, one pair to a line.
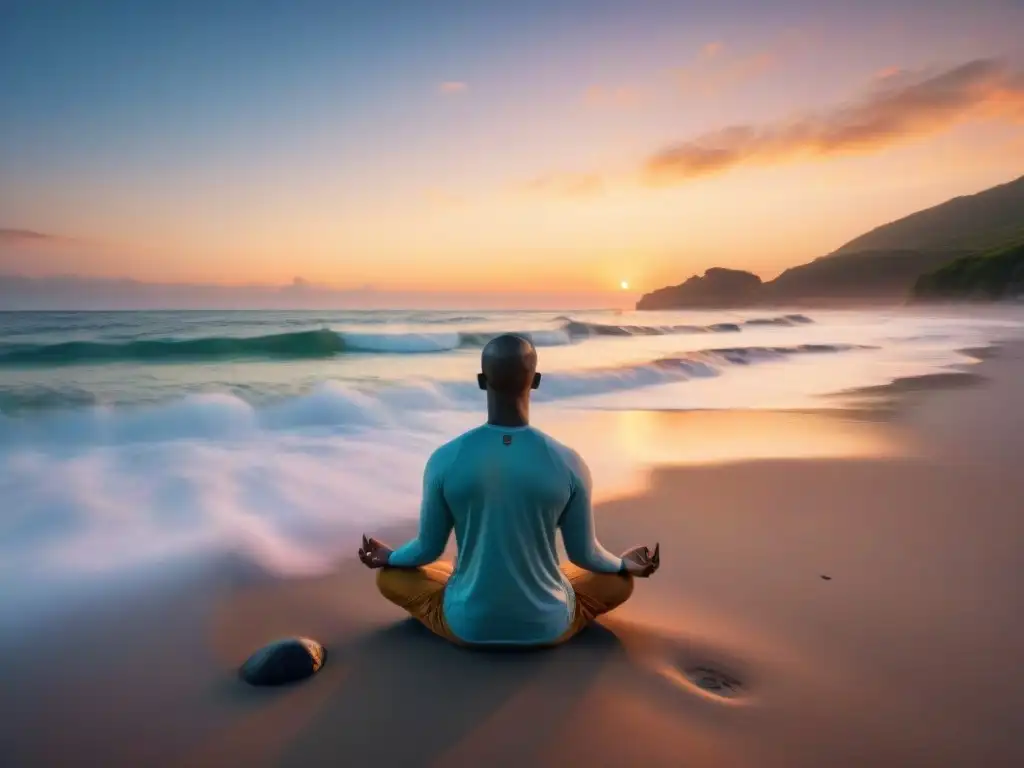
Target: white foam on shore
[399,343]
[225,416]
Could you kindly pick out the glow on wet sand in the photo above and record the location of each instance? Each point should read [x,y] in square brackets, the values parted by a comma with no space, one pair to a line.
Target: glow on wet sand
[623,447]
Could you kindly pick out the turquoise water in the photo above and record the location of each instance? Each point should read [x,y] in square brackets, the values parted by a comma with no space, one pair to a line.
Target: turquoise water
[55,360]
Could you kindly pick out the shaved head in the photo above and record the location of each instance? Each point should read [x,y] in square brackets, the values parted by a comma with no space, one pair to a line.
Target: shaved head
[509,365]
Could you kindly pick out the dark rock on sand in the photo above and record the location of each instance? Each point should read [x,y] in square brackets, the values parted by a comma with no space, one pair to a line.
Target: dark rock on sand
[283,661]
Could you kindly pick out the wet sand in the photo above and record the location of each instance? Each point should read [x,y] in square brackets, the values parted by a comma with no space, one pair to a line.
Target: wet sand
[841,608]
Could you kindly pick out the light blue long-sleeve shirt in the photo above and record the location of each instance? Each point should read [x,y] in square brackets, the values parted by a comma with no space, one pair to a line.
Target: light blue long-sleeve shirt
[505,491]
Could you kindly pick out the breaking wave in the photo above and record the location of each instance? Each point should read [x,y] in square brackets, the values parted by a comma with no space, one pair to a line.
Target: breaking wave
[324,343]
[337,405]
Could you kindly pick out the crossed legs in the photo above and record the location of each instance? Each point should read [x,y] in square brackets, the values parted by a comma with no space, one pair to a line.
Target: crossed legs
[420,592]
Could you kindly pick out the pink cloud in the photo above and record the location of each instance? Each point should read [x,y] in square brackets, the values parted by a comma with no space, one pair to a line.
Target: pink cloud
[710,50]
[720,72]
[888,72]
[453,87]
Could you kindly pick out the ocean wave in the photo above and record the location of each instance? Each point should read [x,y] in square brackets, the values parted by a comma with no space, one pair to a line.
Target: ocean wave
[745,355]
[578,328]
[400,343]
[325,343]
[42,397]
[319,343]
[783,320]
[347,406]
[666,370]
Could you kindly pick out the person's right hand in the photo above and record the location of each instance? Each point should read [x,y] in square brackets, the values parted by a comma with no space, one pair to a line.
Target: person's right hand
[373,554]
[640,561]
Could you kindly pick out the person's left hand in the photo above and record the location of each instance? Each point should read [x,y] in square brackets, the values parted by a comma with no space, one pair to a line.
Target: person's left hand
[373,554]
[641,561]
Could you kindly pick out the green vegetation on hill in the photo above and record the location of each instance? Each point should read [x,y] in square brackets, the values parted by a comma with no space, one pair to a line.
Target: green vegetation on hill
[870,275]
[998,274]
[884,265]
[972,223]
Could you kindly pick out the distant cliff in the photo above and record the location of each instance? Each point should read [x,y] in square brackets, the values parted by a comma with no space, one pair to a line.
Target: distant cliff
[717,288]
[882,265]
[866,276]
[998,274]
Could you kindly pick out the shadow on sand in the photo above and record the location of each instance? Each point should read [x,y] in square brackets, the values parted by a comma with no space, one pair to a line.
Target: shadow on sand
[397,677]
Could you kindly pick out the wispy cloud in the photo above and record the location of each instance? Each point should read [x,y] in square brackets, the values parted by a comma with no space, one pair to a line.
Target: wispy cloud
[719,67]
[888,73]
[716,70]
[710,50]
[9,236]
[567,184]
[453,87]
[895,108]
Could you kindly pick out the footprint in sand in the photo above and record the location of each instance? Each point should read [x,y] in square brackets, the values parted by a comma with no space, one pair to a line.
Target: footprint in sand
[703,680]
[686,663]
[715,682]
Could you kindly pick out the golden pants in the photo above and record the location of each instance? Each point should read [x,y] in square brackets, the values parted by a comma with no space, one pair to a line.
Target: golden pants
[420,592]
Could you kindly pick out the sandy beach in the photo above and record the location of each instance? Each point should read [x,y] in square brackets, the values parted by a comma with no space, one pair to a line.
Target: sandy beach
[864,609]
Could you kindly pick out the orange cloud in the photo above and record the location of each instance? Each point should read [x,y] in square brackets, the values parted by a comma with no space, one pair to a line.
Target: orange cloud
[894,109]
[711,50]
[453,87]
[1007,101]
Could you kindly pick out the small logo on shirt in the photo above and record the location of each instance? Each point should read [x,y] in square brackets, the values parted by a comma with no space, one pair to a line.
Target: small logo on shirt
[506,439]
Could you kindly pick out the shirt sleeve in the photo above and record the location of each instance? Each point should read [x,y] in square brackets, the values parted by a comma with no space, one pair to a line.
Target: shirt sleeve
[577,524]
[435,522]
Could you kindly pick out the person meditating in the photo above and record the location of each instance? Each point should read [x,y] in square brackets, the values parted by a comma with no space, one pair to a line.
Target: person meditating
[505,487]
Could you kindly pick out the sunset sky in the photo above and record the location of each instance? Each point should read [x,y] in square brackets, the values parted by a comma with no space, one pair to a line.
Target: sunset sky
[557,146]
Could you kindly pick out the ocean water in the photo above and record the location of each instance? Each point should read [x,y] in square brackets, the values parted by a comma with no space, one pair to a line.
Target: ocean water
[136,440]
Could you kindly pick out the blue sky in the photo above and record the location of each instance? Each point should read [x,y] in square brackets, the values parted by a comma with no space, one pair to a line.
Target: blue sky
[251,141]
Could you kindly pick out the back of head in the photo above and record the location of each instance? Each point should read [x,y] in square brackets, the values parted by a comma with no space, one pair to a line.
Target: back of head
[509,366]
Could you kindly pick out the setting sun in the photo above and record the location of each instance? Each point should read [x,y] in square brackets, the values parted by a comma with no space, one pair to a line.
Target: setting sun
[624,285]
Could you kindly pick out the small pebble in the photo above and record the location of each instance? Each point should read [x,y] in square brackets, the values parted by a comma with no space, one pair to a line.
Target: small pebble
[284,661]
